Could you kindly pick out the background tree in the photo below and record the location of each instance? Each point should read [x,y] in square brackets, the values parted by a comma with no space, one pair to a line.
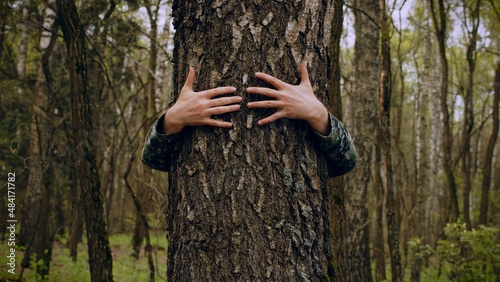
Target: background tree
[363,120]
[439,19]
[384,134]
[38,224]
[471,55]
[336,186]
[100,262]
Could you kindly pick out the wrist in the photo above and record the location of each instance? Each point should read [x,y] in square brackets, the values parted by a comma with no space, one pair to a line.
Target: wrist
[170,124]
[320,122]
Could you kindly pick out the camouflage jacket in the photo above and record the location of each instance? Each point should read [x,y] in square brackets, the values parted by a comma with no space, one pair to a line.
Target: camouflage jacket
[338,148]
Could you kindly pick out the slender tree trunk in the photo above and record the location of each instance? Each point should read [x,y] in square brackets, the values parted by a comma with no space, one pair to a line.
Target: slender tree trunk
[439,19]
[336,186]
[143,220]
[76,229]
[23,48]
[487,166]
[44,238]
[32,193]
[422,156]
[149,110]
[38,224]
[364,112]
[385,143]
[469,112]
[97,237]
[434,222]
[4,12]
[250,203]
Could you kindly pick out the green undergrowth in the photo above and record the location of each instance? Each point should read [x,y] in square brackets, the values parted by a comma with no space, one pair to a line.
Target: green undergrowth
[64,269]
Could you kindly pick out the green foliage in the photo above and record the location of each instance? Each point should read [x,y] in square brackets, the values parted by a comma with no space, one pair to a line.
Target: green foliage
[464,256]
[469,255]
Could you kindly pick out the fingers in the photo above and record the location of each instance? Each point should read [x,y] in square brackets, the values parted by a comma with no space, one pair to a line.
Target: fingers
[271,118]
[218,123]
[278,84]
[304,75]
[188,84]
[218,91]
[225,101]
[271,93]
[223,110]
[269,104]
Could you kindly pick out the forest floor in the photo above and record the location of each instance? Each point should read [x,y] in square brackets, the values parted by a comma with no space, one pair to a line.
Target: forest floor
[64,269]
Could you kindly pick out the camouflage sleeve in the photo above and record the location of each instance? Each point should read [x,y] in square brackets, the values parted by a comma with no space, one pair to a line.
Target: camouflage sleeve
[338,148]
[158,147]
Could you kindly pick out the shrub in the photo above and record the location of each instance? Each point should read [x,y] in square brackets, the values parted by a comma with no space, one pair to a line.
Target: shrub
[469,255]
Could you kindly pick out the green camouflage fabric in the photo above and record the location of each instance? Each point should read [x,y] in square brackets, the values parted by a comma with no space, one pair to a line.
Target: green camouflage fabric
[338,148]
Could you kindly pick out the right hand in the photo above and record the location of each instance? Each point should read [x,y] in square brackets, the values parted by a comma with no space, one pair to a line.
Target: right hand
[197,108]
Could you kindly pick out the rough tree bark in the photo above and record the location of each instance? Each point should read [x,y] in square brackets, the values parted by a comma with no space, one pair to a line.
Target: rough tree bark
[337,185]
[100,260]
[364,118]
[250,203]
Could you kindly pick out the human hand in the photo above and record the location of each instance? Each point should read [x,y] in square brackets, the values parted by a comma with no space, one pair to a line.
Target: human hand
[291,101]
[197,108]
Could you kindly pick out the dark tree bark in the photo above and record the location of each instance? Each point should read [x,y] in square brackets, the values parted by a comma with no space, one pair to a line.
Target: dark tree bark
[439,19]
[385,91]
[250,203]
[487,166]
[469,110]
[97,237]
[364,118]
[38,224]
[336,186]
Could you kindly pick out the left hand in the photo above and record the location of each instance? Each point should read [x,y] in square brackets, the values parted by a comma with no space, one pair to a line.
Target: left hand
[291,101]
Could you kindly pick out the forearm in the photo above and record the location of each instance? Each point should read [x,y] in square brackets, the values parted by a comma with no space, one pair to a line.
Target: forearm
[158,146]
[338,148]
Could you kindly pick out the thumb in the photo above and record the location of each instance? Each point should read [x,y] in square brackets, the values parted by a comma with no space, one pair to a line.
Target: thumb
[304,75]
[188,85]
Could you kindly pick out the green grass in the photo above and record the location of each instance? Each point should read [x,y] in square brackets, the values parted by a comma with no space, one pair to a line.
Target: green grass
[63,269]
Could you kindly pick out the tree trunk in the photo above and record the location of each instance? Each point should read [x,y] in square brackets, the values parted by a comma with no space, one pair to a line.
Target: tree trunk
[251,203]
[422,155]
[336,186]
[439,20]
[364,112]
[97,237]
[487,166]
[434,207]
[469,112]
[149,110]
[32,193]
[38,223]
[23,48]
[385,143]
[4,12]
